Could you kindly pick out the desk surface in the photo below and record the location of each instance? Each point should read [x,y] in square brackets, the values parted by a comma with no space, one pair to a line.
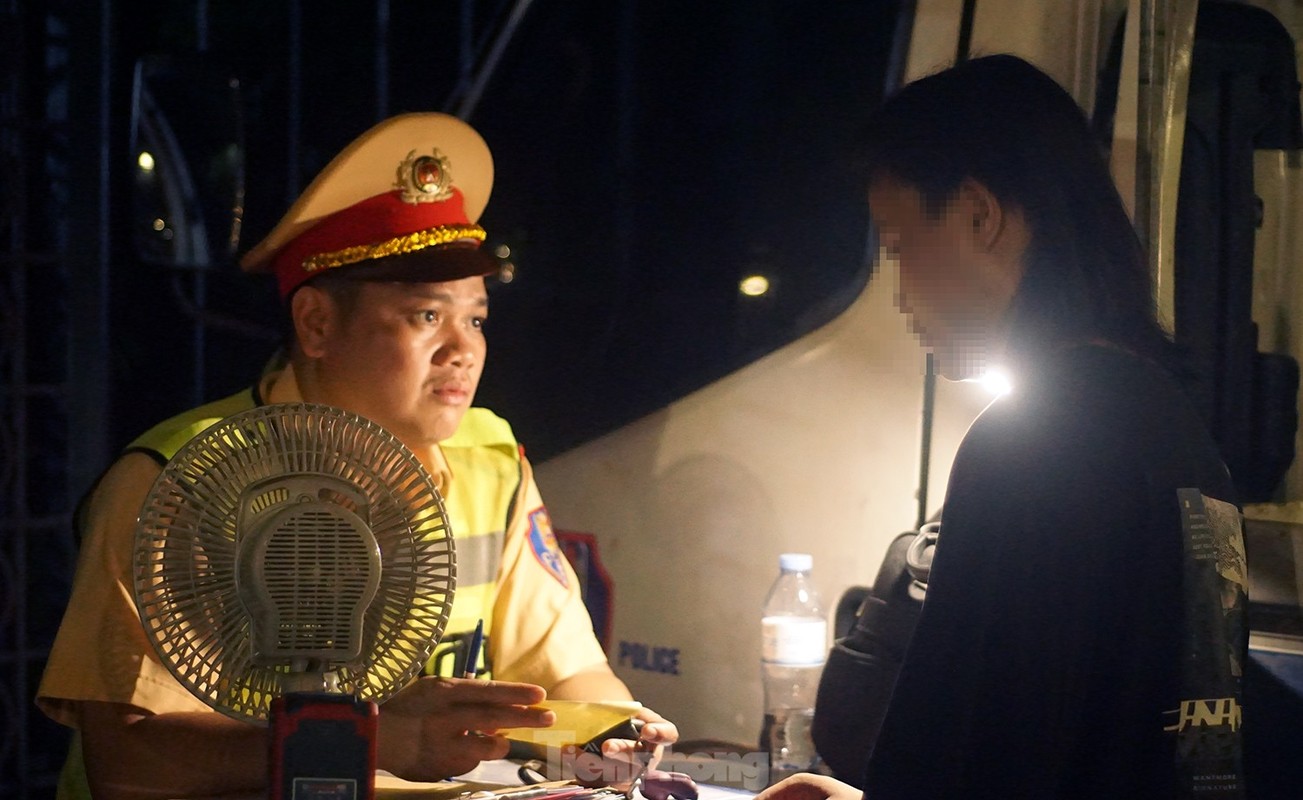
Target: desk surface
[488,774]
[501,773]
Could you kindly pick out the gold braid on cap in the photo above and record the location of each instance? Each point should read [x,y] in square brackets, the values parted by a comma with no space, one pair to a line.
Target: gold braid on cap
[410,243]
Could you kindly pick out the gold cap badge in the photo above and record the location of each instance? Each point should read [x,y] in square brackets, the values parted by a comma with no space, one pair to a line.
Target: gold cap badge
[424,179]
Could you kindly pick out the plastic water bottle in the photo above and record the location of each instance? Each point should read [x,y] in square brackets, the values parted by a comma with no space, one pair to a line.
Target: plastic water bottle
[795,644]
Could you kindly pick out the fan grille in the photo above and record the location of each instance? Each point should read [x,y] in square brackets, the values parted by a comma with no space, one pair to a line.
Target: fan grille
[316,615]
[188,555]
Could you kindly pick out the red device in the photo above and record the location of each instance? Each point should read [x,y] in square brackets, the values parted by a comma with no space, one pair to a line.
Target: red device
[323,747]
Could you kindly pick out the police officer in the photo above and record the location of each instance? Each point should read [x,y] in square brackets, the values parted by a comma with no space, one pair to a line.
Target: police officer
[380,268]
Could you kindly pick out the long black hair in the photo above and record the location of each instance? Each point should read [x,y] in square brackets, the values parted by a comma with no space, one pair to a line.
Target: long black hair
[1004,123]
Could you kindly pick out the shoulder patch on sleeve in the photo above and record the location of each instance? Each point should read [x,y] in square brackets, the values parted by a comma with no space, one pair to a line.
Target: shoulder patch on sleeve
[543,542]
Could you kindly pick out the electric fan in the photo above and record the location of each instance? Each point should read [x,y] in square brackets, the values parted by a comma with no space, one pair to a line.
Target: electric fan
[293,548]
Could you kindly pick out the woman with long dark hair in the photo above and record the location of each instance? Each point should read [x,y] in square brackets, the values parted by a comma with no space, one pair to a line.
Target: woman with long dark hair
[1078,639]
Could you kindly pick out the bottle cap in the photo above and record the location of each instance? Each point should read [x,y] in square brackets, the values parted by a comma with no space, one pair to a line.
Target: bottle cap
[796,562]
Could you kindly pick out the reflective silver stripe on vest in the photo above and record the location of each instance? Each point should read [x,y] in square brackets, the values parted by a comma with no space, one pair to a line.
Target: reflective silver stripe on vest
[478,558]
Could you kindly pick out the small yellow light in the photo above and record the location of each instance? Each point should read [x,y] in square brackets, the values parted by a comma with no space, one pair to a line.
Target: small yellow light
[753,285]
[502,251]
[159,224]
[146,161]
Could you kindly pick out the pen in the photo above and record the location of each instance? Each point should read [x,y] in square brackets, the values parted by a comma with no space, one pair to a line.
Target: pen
[473,652]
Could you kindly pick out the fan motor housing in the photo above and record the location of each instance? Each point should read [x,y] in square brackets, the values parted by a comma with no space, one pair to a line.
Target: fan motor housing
[307,568]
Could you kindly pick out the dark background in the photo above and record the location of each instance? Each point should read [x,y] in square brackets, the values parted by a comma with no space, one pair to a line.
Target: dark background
[649,155]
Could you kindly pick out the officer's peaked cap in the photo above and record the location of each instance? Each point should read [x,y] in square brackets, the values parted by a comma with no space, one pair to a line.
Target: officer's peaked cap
[399,203]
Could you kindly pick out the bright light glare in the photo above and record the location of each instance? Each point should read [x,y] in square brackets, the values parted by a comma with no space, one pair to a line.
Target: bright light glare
[996,382]
[753,285]
[146,161]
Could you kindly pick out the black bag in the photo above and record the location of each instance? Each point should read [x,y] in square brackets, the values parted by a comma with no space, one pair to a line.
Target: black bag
[861,670]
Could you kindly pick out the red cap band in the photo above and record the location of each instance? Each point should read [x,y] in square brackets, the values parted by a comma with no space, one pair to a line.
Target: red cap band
[379,226]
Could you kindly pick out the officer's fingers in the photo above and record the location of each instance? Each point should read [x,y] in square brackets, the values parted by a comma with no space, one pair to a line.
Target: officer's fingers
[501,692]
[491,717]
[436,695]
[485,747]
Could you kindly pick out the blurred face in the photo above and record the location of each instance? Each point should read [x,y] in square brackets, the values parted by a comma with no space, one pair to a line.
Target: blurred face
[407,355]
[958,270]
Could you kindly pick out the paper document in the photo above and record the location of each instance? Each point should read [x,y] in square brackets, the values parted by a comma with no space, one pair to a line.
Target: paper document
[577,721]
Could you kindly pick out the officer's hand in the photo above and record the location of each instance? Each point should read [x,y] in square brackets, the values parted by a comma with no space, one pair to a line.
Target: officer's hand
[439,727]
[622,759]
[805,786]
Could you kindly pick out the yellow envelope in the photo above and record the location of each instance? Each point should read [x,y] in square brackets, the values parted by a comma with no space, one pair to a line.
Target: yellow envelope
[577,721]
